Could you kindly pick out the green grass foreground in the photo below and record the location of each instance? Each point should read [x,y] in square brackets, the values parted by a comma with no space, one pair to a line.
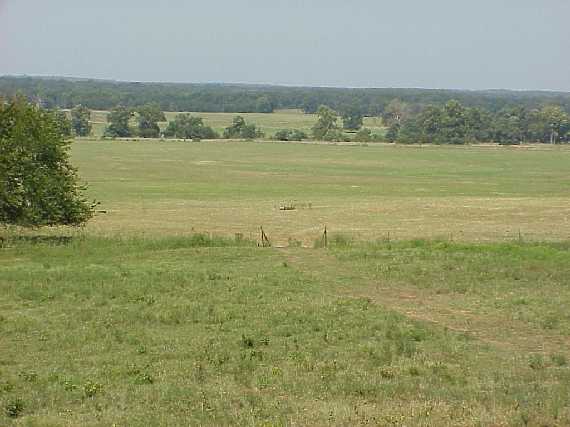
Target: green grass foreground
[213,331]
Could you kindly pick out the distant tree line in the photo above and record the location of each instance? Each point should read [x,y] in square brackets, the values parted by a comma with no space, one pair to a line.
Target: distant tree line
[350,103]
[454,123]
[143,122]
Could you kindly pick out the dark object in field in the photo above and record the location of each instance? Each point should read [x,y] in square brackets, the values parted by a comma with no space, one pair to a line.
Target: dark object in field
[287,207]
[102,212]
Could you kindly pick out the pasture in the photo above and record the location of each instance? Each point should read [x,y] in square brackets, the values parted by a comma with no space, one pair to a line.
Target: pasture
[199,331]
[441,298]
[461,193]
[269,123]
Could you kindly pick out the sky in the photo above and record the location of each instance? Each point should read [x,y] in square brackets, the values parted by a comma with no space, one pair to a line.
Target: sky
[454,44]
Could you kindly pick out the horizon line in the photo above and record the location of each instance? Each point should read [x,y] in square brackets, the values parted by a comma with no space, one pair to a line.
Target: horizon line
[271,84]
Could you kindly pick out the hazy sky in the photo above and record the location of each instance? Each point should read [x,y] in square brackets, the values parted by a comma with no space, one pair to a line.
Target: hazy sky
[467,44]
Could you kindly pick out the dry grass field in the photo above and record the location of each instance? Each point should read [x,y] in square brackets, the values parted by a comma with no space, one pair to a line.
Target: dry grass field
[472,193]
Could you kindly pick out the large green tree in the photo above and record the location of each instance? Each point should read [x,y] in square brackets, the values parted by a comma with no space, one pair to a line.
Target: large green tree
[396,112]
[185,126]
[352,117]
[63,123]
[241,129]
[148,117]
[326,128]
[80,117]
[556,121]
[38,185]
[119,126]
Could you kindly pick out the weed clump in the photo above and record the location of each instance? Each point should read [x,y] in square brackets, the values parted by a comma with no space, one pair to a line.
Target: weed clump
[90,388]
[536,362]
[14,408]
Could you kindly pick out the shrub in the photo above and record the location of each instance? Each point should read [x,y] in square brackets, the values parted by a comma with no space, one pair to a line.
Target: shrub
[290,135]
[241,129]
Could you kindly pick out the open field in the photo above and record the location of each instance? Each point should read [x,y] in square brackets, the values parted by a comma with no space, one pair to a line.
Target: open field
[137,320]
[182,331]
[465,193]
[268,123]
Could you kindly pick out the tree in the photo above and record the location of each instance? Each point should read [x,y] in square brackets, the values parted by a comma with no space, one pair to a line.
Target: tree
[38,186]
[80,117]
[506,128]
[240,129]
[556,121]
[352,118]
[410,131]
[393,131]
[453,124]
[63,123]
[119,119]
[185,126]
[396,112]
[263,105]
[450,124]
[326,127]
[148,117]
[478,125]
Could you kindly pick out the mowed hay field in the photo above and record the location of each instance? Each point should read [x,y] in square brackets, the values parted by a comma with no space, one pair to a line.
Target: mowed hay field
[428,307]
[460,193]
[269,123]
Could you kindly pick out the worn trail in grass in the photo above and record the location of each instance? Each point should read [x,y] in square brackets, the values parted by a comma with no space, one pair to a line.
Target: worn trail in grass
[505,316]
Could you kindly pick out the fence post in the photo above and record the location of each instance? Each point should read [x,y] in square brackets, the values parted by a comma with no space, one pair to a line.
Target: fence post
[325,237]
[264,239]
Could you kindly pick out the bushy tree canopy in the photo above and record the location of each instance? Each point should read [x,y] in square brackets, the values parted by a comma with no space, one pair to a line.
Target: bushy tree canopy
[185,126]
[119,119]
[80,117]
[63,123]
[352,117]
[148,117]
[326,128]
[455,124]
[241,129]
[38,186]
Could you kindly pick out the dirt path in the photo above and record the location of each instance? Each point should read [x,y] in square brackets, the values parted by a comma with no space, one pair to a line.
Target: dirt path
[495,329]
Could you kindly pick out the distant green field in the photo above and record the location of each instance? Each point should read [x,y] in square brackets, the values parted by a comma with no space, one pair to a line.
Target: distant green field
[269,123]
[460,193]
[199,331]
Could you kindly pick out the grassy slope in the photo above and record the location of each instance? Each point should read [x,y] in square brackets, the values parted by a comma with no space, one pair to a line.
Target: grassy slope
[473,193]
[172,332]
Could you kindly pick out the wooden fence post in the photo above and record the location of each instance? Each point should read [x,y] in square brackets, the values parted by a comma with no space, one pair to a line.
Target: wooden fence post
[264,239]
